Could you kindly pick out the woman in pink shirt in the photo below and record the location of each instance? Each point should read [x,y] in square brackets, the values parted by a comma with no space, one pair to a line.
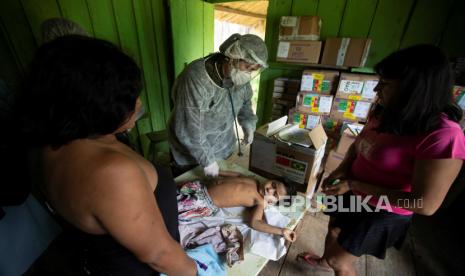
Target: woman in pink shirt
[403,162]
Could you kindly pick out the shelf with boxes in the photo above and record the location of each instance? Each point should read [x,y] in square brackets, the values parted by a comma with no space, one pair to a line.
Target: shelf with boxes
[332,99]
[299,43]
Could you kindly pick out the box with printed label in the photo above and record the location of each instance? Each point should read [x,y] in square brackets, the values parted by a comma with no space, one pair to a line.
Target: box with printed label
[313,103]
[350,110]
[299,28]
[357,87]
[349,52]
[304,120]
[319,81]
[299,51]
[271,157]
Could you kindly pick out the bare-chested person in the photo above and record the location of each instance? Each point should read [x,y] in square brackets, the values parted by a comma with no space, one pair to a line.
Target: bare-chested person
[233,190]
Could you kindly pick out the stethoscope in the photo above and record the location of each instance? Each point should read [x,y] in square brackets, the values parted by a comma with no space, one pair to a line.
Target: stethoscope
[228,84]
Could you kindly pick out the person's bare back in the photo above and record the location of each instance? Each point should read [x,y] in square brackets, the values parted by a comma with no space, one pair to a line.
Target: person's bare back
[235,191]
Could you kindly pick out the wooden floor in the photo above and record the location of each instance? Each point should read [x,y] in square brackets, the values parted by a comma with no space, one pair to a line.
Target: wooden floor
[434,245]
[311,234]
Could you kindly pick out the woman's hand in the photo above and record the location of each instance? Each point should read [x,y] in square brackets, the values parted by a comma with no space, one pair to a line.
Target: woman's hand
[339,173]
[289,234]
[339,188]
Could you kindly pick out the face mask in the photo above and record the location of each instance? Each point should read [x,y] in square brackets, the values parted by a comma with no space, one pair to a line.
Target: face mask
[240,77]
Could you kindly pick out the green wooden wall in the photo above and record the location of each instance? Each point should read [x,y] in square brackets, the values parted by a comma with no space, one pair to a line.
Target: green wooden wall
[140,28]
[192,31]
[392,24]
[165,35]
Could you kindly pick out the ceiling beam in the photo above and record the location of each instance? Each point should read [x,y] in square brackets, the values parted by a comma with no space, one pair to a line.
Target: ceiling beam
[239,12]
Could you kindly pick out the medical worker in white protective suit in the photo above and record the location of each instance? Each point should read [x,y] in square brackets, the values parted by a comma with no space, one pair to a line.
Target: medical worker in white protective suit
[208,95]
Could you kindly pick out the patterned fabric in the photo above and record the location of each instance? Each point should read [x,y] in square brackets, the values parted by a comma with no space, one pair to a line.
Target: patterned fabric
[194,201]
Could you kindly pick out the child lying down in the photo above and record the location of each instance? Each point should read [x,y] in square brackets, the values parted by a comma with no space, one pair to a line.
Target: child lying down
[233,190]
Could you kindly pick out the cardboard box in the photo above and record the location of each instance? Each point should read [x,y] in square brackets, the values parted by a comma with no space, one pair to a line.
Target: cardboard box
[333,161]
[304,120]
[330,124]
[350,52]
[299,28]
[286,85]
[284,96]
[315,104]
[347,139]
[319,81]
[350,110]
[357,87]
[299,51]
[271,157]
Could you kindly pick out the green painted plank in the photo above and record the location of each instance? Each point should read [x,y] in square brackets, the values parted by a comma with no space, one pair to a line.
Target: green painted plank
[195,29]
[427,22]
[36,14]
[149,58]
[9,70]
[103,20]
[179,32]
[125,28]
[187,23]
[453,40]
[159,17]
[357,18]
[208,29]
[330,12]
[77,11]
[126,31]
[18,32]
[304,7]
[387,28]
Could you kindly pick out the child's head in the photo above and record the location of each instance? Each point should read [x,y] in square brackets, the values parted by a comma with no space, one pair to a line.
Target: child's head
[279,191]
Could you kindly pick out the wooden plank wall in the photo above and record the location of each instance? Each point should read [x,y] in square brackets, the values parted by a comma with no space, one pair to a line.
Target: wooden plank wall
[140,28]
[392,24]
[192,31]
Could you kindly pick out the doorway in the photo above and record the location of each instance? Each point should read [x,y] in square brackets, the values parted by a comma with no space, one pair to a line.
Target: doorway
[243,17]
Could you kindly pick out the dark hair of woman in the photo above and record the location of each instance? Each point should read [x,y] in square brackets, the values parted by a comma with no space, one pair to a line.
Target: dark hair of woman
[424,93]
[78,87]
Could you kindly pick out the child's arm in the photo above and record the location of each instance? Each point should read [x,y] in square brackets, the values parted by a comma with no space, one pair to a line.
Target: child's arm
[259,224]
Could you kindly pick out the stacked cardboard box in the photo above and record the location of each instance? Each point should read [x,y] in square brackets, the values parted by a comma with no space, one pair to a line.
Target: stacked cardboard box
[349,52]
[358,87]
[337,155]
[354,97]
[320,81]
[298,39]
[313,103]
[284,96]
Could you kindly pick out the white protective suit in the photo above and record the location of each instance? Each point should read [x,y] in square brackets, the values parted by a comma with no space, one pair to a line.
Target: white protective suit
[202,123]
[201,126]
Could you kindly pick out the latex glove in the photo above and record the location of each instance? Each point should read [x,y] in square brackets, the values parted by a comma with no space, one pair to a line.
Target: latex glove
[248,136]
[212,169]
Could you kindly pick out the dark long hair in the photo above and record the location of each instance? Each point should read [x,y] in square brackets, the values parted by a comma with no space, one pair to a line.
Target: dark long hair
[78,87]
[425,91]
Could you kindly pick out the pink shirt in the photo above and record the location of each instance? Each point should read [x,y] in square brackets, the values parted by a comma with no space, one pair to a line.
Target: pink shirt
[388,160]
